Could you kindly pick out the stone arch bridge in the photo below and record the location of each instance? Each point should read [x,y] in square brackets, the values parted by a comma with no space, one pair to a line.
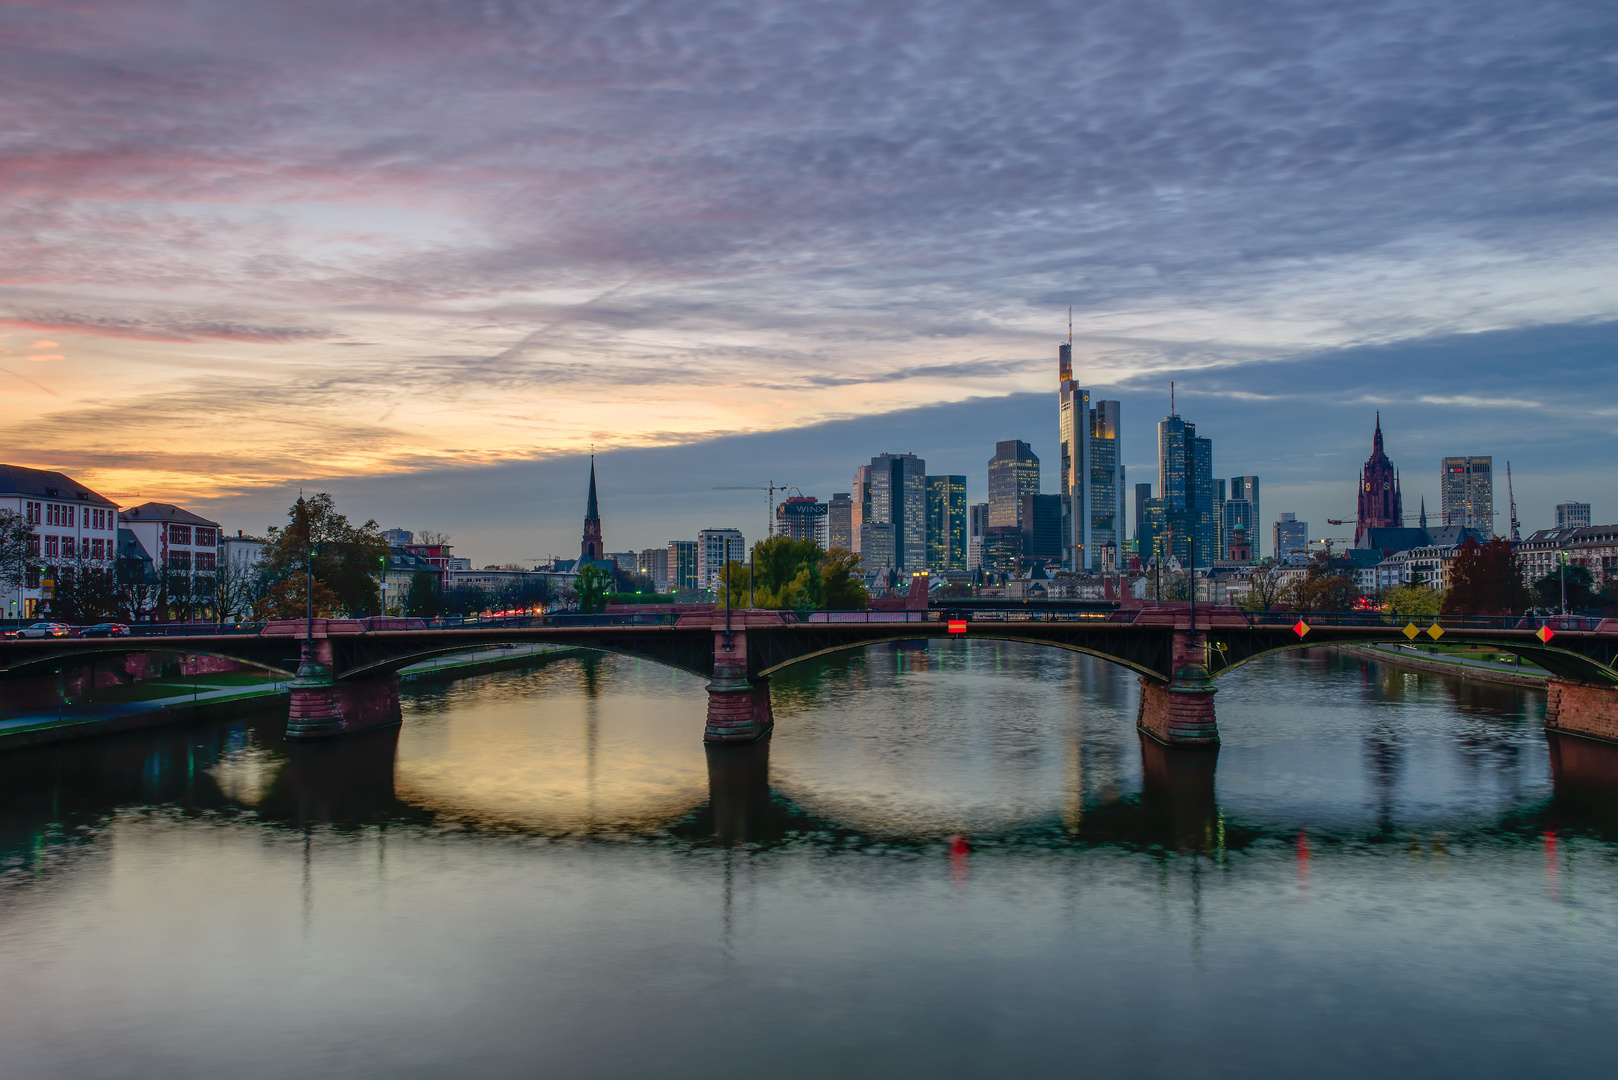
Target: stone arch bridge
[346,678]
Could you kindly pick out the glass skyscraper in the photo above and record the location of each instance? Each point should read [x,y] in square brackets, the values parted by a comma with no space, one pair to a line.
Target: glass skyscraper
[1466,486]
[899,498]
[1092,476]
[1013,473]
[946,523]
[1185,483]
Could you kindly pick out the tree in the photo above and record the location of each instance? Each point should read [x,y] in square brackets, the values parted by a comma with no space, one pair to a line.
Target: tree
[86,592]
[422,599]
[238,583]
[16,550]
[348,560]
[1485,579]
[591,587]
[1413,600]
[1323,587]
[1581,596]
[840,570]
[289,599]
[1263,588]
[787,574]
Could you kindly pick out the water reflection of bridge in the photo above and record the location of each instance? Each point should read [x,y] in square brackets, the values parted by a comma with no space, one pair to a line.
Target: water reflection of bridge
[60,793]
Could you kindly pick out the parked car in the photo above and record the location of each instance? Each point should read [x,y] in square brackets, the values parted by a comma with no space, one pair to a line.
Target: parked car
[46,629]
[106,629]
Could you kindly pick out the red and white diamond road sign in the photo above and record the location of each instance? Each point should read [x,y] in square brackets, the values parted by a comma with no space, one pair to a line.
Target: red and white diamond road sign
[1300,628]
[1544,634]
[957,626]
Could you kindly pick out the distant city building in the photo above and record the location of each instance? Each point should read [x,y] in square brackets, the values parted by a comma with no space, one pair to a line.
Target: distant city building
[1594,547]
[1466,487]
[877,546]
[840,521]
[682,564]
[398,537]
[1573,515]
[1002,549]
[1380,506]
[1091,480]
[1245,489]
[859,509]
[67,518]
[1291,538]
[1184,506]
[654,563]
[1013,473]
[716,547]
[1237,517]
[977,524]
[1143,495]
[946,523]
[898,485]
[1042,527]
[802,518]
[624,560]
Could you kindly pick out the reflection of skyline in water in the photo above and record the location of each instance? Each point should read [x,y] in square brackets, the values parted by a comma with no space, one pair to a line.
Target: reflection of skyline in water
[951,859]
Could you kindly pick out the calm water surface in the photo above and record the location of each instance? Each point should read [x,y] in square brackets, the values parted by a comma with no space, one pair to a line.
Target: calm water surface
[955,861]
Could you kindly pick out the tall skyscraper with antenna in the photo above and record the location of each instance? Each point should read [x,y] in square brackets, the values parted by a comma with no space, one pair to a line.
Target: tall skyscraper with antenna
[1091,470]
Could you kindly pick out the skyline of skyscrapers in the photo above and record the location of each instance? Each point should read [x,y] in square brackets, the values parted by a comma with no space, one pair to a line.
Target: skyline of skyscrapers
[898,492]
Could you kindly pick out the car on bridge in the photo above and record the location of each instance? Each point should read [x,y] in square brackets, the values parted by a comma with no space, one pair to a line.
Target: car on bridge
[46,629]
[106,629]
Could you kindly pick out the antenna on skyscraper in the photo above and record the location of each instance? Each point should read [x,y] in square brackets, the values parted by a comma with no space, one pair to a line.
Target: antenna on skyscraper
[1070,326]
[1171,397]
[1516,532]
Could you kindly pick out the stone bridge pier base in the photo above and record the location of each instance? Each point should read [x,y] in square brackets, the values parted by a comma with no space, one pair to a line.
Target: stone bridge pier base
[1586,709]
[1181,711]
[738,706]
[322,707]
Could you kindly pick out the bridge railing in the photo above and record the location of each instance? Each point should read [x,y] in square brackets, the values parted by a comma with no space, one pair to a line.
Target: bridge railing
[1421,622]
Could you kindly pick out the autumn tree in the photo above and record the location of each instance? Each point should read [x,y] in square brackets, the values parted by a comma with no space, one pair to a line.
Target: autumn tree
[1485,579]
[591,587]
[347,559]
[1323,587]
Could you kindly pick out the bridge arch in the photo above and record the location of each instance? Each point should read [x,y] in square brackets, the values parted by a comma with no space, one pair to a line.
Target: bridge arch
[776,657]
[391,665]
[115,647]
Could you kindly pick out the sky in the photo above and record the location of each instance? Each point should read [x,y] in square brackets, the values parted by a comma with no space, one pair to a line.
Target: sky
[427,255]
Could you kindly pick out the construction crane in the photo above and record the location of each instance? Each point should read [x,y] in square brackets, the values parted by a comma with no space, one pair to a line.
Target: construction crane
[1330,540]
[1516,530]
[1342,521]
[769,508]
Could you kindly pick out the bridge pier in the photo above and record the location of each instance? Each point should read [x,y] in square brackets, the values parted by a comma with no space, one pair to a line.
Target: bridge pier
[1578,708]
[738,704]
[322,707]
[1181,711]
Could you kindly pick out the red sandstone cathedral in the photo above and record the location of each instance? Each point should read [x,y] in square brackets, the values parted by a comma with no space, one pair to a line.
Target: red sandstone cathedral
[1379,491]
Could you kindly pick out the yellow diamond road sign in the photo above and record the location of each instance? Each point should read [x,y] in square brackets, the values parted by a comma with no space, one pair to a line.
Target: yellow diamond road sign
[1435,631]
[1411,631]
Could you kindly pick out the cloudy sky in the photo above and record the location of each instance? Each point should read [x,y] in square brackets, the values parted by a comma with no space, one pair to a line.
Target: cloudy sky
[425,255]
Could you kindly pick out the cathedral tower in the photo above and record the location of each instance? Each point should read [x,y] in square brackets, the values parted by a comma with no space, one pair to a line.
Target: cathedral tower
[1380,507]
[591,549]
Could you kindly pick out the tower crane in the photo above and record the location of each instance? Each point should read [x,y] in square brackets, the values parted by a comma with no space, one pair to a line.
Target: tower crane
[769,509]
[1516,530]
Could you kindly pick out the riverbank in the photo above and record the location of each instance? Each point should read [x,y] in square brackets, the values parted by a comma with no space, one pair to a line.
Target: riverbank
[144,704]
[1484,670]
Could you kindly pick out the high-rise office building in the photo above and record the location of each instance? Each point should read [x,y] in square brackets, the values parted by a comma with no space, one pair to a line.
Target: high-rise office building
[682,564]
[1042,519]
[977,525]
[1238,519]
[1002,549]
[1013,473]
[946,523]
[715,547]
[1291,538]
[840,521]
[877,546]
[1220,539]
[1092,471]
[1185,487]
[1572,515]
[898,484]
[654,563]
[1142,539]
[860,505]
[802,518]
[1245,489]
[1466,486]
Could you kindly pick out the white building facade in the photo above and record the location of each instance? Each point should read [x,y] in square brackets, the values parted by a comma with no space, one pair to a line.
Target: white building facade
[73,528]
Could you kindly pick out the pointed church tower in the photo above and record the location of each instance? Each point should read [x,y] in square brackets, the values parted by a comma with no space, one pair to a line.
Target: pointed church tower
[1423,512]
[591,549]
[1380,505]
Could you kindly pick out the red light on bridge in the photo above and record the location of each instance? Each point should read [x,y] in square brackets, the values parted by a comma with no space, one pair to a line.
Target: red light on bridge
[957,626]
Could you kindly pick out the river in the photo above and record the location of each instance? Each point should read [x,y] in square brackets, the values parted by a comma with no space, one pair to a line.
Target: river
[955,860]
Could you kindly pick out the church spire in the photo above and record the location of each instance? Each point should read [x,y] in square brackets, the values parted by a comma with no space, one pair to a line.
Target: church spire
[1376,440]
[591,547]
